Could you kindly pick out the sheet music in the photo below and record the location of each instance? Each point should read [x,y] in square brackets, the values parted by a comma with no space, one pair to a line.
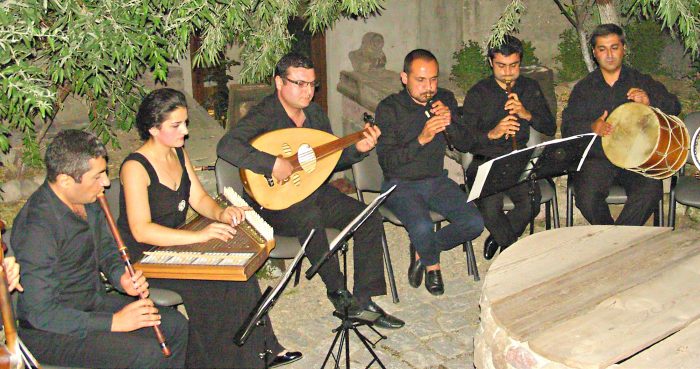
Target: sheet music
[484,169]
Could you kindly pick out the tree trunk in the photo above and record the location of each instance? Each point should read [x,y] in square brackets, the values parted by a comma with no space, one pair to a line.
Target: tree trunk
[608,12]
[585,50]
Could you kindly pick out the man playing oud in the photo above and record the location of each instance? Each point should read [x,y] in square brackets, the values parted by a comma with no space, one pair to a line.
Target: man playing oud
[290,106]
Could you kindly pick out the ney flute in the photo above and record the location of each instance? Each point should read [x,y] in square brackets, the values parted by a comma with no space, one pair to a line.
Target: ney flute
[125,257]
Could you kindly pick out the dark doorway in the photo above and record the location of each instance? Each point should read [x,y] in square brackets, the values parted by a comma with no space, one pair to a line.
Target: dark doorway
[313,46]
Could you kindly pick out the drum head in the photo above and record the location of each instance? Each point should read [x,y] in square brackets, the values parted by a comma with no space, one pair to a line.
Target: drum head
[635,135]
[695,149]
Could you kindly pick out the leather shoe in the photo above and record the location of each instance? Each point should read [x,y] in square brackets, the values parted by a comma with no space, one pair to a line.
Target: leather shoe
[385,320]
[415,270]
[490,248]
[286,358]
[433,282]
[340,299]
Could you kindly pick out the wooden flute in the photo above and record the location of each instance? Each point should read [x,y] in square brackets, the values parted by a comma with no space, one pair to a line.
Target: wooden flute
[125,257]
[509,90]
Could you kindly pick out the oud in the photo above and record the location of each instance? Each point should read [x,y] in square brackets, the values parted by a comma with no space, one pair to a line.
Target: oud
[313,155]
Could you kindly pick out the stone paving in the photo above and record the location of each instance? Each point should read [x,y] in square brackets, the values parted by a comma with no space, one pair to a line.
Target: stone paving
[438,333]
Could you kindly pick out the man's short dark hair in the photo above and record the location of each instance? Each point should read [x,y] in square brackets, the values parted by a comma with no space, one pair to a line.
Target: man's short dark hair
[416,54]
[155,108]
[69,153]
[510,45]
[292,60]
[604,30]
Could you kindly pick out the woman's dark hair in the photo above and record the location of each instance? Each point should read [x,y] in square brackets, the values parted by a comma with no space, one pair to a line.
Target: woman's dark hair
[155,107]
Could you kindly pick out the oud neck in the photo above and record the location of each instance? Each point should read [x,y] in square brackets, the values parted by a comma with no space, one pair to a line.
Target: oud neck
[339,144]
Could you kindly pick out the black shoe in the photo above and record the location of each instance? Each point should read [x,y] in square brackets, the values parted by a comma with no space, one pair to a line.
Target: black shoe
[286,358]
[490,248]
[433,282]
[385,320]
[415,270]
[340,299]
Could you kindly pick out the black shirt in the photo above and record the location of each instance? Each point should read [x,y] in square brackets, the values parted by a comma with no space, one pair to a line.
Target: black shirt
[484,106]
[401,121]
[61,256]
[269,115]
[592,96]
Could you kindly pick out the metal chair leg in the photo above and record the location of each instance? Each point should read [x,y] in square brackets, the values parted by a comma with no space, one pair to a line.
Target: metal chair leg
[389,269]
[569,205]
[472,268]
[555,204]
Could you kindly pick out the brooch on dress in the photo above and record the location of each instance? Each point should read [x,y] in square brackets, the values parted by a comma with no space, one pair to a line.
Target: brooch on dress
[181,205]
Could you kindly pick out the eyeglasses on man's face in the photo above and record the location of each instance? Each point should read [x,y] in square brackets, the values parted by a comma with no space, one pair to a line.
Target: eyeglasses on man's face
[304,84]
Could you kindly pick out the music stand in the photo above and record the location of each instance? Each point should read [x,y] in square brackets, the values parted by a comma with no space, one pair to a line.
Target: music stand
[347,324]
[546,160]
[267,301]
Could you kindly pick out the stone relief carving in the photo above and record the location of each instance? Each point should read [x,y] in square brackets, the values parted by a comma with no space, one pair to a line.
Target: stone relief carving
[370,55]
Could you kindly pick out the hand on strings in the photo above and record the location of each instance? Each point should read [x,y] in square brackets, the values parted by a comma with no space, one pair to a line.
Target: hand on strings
[371,134]
[601,127]
[282,170]
[136,285]
[515,107]
[508,126]
[11,269]
[221,231]
[136,315]
[433,126]
[638,95]
[233,215]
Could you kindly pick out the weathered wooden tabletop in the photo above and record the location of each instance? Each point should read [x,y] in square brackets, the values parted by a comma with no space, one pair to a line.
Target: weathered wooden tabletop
[593,297]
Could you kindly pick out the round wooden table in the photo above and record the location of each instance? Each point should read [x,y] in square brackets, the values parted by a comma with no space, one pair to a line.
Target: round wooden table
[593,297]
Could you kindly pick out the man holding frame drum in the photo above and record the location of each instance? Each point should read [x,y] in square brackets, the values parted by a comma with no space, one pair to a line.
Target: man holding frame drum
[592,99]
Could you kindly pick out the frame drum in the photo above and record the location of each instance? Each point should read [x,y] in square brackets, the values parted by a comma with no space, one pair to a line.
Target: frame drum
[646,140]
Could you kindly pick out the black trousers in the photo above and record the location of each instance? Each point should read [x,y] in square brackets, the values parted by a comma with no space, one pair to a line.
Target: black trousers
[330,208]
[505,228]
[137,349]
[592,185]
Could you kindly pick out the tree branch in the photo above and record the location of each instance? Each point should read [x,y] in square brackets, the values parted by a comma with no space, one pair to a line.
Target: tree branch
[565,13]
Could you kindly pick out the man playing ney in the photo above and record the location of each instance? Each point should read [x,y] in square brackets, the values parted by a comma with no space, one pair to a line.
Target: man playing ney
[499,111]
[415,122]
[61,239]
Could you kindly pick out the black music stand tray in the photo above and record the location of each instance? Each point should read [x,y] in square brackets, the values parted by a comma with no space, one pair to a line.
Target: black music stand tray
[347,324]
[267,301]
[544,161]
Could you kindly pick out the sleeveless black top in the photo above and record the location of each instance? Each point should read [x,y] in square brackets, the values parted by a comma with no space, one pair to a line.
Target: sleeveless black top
[168,207]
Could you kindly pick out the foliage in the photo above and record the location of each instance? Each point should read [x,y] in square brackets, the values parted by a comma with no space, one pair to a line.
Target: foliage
[97,49]
[570,58]
[679,16]
[529,57]
[470,65]
[508,23]
[645,46]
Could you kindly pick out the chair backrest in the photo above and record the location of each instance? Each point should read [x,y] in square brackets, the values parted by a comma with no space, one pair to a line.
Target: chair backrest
[227,176]
[112,196]
[692,122]
[367,174]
